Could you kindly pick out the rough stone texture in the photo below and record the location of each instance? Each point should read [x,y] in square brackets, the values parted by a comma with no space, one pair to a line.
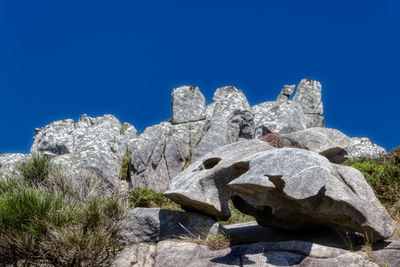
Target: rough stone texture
[229,120]
[188,104]
[291,253]
[154,225]
[287,187]
[362,147]
[285,117]
[308,95]
[9,164]
[387,252]
[285,93]
[90,146]
[325,141]
[161,152]
[137,255]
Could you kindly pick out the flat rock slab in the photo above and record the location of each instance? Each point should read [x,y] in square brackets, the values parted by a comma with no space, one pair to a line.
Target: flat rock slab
[290,253]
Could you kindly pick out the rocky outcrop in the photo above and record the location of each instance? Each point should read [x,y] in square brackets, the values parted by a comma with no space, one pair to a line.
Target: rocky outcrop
[92,146]
[362,147]
[9,164]
[154,225]
[188,104]
[308,95]
[285,93]
[327,142]
[287,187]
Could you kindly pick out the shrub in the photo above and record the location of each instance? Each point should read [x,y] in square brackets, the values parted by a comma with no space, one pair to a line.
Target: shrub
[124,127]
[126,160]
[383,175]
[273,139]
[35,170]
[147,198]
[58,221]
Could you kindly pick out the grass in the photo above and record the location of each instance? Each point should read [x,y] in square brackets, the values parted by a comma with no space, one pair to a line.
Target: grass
[236,216]
[126,160]
[48,218]
[147,198]
[124,127]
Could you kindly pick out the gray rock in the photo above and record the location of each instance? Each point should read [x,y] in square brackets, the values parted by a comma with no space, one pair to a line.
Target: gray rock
[308,95]
[284,117]
[287,187]
[362,147]
[188,104]
[154,225]
[291,253]
[229,119]
[285,93]
[387,253]
[137,255]
[9,164]
[325,141]
[91,146]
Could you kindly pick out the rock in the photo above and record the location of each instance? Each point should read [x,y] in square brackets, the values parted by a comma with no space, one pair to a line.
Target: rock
[285,93]
[286,187]
[387,253]
[325,141]
[161,152]
[9,164]
[92,146]
[170,253]
[308,95]
[362,147]
[230,119]
[137,255]
[154,225]
[285,117]
[188,104]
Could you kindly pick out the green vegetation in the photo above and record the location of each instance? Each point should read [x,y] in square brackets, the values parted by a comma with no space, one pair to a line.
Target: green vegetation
[384,177]
[124,127]
[47,218]
[126,160]
[147,198]
[236,216]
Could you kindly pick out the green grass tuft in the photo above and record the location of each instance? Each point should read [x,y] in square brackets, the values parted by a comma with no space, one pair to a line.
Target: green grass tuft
[147,198]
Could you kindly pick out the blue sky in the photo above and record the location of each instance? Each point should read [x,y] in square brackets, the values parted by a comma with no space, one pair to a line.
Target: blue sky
[59,59]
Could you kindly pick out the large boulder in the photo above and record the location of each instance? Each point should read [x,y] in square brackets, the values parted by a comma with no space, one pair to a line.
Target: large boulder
[154,225]
[362,147]
[328,142]
[287,187]
[188,104]
[308,95]
[92,146]
[279,117]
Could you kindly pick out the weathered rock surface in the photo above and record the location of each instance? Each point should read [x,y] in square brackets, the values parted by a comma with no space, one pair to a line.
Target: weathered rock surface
[362,147]
[138,255]
[188,104]
[308,95]
[287,187]
[387,253]
[291,253]
[327,142]
[285,117]
[285,93]
[154,225]
[9,164]
[91,146]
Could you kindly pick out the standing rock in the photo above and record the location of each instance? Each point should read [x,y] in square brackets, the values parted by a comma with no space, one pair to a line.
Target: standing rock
[325,141]
[188,104]
[287,187]
[92,146]
[285,93]
[308,95]
[362,147]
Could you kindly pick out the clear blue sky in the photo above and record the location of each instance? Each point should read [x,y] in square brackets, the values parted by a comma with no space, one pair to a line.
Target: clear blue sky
[59,59]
